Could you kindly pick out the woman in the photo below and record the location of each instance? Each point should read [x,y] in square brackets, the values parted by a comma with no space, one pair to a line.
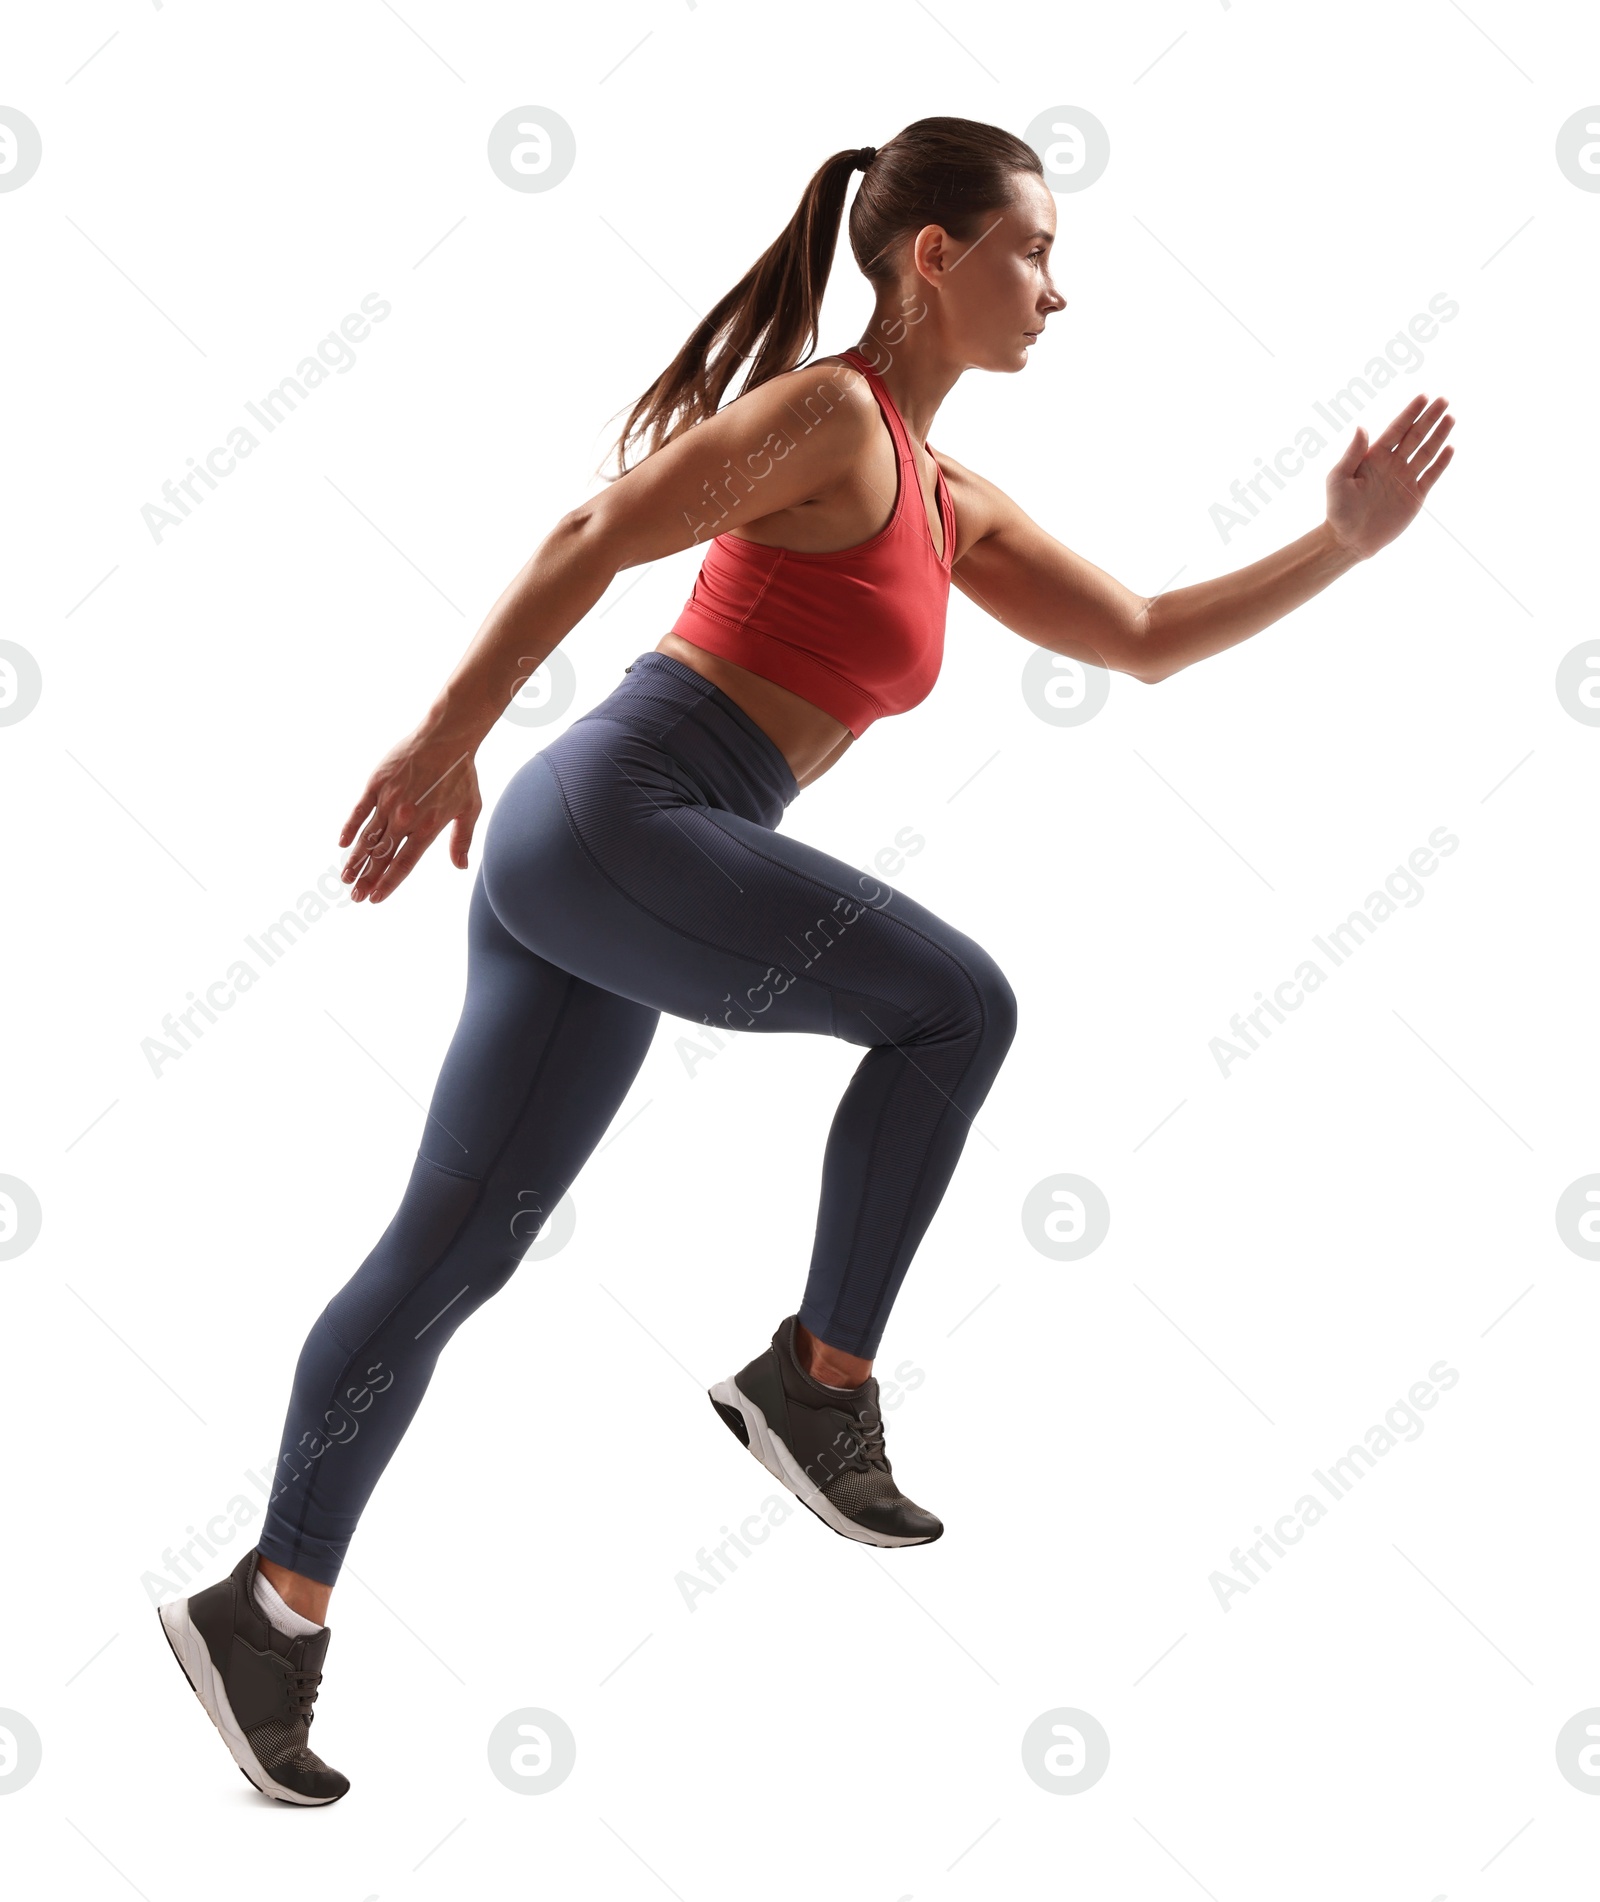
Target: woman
[634,865]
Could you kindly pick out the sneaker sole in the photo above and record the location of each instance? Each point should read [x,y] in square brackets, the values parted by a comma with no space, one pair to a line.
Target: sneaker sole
[189,1648]
[743,1418]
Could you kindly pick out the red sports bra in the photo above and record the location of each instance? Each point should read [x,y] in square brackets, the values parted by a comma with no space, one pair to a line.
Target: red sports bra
[857,631]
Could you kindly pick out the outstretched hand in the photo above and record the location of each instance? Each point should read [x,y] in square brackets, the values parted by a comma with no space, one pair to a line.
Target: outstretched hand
[1375,491]
[417,789]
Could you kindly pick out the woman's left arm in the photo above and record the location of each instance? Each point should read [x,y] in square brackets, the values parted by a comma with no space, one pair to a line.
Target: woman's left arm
[1042,590]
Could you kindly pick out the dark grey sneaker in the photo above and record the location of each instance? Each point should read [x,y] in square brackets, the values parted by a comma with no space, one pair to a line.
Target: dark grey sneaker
[257,1684]
[824,1443]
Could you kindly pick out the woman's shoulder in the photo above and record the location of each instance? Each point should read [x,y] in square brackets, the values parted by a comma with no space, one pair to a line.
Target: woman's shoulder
[837,372]
[794,402]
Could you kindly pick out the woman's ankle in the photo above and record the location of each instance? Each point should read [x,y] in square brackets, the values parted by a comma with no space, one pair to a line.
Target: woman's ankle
[828,1364]
[308,1596]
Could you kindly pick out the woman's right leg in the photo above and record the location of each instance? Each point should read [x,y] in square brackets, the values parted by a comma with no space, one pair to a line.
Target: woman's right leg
[706,914]
[619,855]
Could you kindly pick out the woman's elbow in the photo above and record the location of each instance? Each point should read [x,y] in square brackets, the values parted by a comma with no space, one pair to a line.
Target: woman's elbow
[1143,655]
[601,532]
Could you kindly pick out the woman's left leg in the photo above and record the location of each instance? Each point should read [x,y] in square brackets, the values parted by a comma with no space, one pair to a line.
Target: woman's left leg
[538,1066]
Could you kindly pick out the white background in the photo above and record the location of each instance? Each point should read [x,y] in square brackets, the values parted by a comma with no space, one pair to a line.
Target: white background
[1292,1249]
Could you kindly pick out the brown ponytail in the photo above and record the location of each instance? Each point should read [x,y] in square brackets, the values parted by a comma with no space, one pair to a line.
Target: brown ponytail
[943,171]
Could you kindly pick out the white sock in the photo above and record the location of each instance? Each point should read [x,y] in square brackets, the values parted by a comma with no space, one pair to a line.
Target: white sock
[281,1616]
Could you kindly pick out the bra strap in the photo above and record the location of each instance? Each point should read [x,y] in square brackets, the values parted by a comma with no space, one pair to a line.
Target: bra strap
[896,422]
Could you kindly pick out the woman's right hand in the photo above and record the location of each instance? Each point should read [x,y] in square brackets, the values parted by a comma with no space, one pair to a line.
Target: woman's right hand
[419,787]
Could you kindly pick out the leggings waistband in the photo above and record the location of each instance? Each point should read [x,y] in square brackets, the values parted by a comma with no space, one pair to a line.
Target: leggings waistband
[728,759]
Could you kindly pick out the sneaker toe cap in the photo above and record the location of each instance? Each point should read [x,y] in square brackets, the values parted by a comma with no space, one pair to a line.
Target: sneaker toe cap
[310,1777]
[900,1519]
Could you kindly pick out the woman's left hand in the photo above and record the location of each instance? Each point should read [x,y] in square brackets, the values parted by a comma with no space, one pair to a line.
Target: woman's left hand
[1375,492]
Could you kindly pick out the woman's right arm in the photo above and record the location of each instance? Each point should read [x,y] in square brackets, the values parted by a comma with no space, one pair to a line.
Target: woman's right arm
[677,497]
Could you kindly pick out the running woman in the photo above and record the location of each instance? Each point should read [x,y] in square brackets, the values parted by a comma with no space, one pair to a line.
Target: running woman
[635,865]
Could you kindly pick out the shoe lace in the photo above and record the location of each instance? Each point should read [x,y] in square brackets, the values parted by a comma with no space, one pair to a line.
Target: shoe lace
[867,1449]
[303,1693]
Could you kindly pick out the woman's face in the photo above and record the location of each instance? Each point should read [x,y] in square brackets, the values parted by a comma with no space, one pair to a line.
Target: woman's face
[995,289]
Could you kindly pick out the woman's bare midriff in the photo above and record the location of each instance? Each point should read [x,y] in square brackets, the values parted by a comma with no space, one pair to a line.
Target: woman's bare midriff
[809,739]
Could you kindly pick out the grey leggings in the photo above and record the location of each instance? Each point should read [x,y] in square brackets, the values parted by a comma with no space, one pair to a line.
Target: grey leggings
[631,867]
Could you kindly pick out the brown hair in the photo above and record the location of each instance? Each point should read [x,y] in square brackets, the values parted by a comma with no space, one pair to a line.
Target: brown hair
[943,171]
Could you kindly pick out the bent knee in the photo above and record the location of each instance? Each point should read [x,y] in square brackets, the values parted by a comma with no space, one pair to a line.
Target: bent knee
[957,997]
[981,1006]
[996,1004]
